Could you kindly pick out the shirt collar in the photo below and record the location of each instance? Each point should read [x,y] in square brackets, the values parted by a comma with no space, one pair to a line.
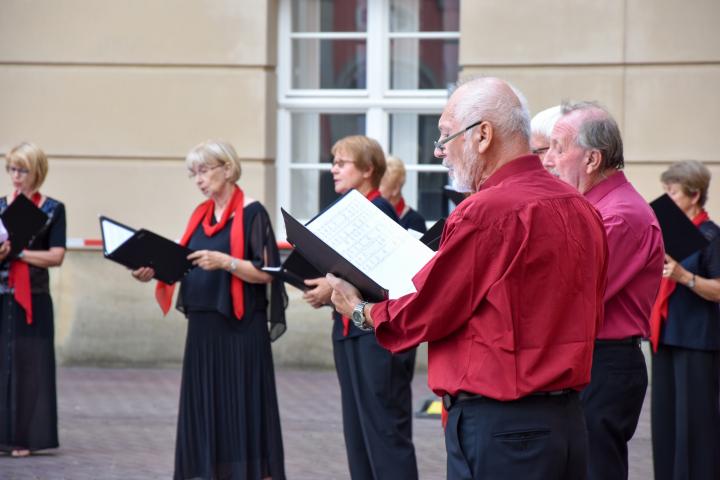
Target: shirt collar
[598,192]
[525,163]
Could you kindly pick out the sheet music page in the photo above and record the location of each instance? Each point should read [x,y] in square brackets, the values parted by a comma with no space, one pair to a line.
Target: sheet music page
[114,235]
[373,242]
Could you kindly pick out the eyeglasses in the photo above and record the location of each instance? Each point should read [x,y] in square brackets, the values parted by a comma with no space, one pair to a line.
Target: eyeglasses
[341,163]
[538,151]
[202,171]
[19,171]
[440,144]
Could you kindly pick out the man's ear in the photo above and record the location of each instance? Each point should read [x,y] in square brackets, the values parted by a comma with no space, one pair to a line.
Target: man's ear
[483,135]
[594,161]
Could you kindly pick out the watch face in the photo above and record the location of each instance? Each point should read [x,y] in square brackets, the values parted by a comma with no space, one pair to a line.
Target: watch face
[357,317]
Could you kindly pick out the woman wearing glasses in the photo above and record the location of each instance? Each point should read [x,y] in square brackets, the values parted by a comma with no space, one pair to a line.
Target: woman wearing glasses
[28,397]
[228,420]
[374,384]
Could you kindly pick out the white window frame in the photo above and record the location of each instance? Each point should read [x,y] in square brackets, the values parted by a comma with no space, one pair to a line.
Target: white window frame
[377,101]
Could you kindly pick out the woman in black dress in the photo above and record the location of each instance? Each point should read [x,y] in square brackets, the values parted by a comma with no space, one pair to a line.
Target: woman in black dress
[228,421]
[28,397]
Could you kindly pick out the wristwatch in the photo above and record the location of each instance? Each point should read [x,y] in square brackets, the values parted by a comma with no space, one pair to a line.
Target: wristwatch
[691,282]
[358,317]
[233,265]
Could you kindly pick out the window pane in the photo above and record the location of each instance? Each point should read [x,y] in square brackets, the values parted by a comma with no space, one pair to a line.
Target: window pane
[329,16]
[424,15]
[313,135]
[423,64]
[329,63]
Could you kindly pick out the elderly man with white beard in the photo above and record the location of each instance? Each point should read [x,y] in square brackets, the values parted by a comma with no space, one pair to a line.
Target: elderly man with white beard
[509,305]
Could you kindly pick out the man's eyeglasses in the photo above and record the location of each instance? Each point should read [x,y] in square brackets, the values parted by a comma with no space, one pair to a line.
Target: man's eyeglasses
[19,171]
[202,171]
[440,144]
[540,151]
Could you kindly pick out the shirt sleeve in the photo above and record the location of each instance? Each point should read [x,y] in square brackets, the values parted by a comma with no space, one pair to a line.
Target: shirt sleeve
[57,233]
[711,258]
[449,288]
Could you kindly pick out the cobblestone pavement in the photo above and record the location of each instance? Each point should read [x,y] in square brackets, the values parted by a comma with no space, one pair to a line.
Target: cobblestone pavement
[120,424]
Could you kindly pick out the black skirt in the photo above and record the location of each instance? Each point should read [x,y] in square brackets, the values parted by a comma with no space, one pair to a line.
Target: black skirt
[28,394]
[228,420]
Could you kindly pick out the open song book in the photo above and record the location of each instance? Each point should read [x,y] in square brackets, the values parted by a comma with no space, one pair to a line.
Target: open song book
[356,241]
[143,248]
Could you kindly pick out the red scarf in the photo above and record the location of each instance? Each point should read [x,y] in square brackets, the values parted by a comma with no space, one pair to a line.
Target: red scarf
[667,287]
[19,275]
[371,195]
[204,213]
[400,207]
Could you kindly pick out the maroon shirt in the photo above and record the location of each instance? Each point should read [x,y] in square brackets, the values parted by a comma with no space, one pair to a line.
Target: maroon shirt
[512,301]
[636,257]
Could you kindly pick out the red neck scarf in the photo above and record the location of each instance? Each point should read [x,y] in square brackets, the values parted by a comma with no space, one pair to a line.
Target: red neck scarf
[400,207]
[659,311]
[19,274]
[204,214]
[371,195]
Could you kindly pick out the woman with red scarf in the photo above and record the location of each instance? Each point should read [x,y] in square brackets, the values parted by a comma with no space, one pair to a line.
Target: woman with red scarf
[28,396]
[391,189]
[228,419]
[685,337]
[374,384]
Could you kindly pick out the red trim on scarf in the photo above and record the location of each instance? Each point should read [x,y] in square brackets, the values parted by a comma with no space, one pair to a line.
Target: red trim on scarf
[371,195]
[204,214]
[659,311]
[400,207]
[19,274]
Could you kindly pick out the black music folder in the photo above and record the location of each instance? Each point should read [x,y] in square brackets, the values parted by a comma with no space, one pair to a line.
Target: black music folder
[143,248]
[680,236]
[22,220]
[431,238]
[294,270]
[453,195]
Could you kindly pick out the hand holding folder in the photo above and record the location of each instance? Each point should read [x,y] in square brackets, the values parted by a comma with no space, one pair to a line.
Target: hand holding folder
[680,236]
[294,270]
[143,248]
[23,221]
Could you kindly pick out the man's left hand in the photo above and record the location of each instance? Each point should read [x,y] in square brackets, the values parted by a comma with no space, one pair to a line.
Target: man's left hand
[344,296]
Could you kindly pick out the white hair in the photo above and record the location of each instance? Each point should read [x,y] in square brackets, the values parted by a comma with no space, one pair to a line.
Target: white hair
[544,122]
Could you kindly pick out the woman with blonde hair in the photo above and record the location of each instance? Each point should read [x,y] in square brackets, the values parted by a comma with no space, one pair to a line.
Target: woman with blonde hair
[391,189]
[28,395]
[228,420]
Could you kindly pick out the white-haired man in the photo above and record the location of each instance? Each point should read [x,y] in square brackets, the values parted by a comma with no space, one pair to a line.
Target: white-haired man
[541,127]
[507,354]
[586,151]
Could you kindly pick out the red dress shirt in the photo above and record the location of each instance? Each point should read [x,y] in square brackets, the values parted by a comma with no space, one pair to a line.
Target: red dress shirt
[635,257]
[511,302]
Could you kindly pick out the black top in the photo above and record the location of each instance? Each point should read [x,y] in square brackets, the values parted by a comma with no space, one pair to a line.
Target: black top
[209,291]
[694,322]
[52,235]
[412,219]
[337,333]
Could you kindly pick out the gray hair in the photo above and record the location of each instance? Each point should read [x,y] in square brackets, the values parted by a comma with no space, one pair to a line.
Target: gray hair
[692,176]
[544,122]
[598,131]
[508,113]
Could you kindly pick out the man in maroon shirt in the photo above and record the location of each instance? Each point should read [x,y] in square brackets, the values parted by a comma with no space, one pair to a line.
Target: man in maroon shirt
[586,151]
[511,302]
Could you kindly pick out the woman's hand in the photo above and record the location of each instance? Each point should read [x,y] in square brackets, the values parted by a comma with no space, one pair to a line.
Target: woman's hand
[143,274]
[319,295]
[4,250]
[674,271]
[210,259]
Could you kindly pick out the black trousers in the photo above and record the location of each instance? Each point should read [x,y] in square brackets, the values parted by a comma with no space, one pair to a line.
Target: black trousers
[612,404]
[377,409]
[685,414]
[536,437]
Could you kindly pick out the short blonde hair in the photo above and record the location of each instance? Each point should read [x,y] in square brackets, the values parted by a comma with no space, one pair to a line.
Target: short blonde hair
[366,152]
[30,156]
[212,153]
[692,176]
[395,171]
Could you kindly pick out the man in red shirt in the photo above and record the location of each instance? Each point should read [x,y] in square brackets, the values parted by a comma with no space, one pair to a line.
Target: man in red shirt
[511,302]
[586,151]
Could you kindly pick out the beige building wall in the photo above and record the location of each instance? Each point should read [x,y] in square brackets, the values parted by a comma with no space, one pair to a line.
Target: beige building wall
[655,64]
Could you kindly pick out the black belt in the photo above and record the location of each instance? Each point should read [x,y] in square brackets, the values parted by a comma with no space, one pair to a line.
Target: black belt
[449,400]
[620,341]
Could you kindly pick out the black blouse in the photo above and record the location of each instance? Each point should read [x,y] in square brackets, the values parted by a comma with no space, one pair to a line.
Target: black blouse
[52,235]
[209,291]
